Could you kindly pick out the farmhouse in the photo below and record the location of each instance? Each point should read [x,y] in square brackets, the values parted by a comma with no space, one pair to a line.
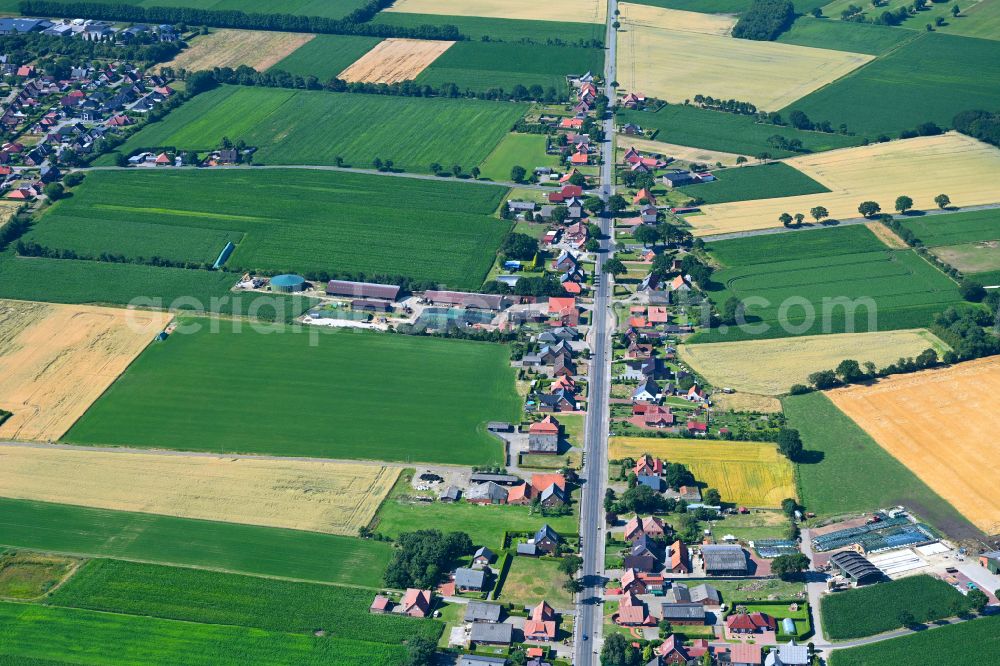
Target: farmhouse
[362,290]
[486,633]
[541,625]
[742,624]
[684,613]
[486,493]
[469,580]
[650,526]
[547,539]
[680,561]
[647,391]
[745,654]
[553,496]
[543,436]
[641,582]
[674,179]
[647,465]
[724,560]
[645,555]
[466,300]
[673,651]
[632,612]
[416,603]
[483,556]
[480,611]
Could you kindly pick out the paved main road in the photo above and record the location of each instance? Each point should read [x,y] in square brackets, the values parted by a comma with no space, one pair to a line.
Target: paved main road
[589,616]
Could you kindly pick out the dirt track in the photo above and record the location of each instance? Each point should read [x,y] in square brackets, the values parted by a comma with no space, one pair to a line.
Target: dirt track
[394,60]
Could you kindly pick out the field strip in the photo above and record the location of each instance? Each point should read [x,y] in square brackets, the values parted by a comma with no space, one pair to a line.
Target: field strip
[223,47]
[941,424]
[648,16]
[965,169]
[394,60]
[686,153]
[887,236]
[770,367]
[334,498]
[568,11]
[55,360]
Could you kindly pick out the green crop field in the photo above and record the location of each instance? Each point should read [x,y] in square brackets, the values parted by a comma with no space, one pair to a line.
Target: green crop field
[938,646]
[81,636]
[329,394]
[526,150]
[326,56]
[326,8]
[301,221]
[728,132]
[981,20]
[75,281]
[211,597]
[875,609]
[844,35]
[968,241]
[316,127]
[795,280]
[500,30]
[916,83]
[724,6]
[480,66]
[844,470]
[185,542]
[765,181]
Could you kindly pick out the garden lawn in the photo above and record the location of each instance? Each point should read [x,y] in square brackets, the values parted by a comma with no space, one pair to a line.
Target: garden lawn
[916,83]
[42,632]
[533,580]
[875,609]
[843,470]
[728,132]
[844,36]
[501,30]
[325,56]
[526,150]
[312,222]
[333,9]
[211,597]
[932,647]
[74,281]
[328,394]
[481,66]
[316,127]
[63,528]
[812,268]
[766,181]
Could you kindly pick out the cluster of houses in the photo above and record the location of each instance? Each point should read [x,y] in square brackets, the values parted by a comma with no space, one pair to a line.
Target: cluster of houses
[90,30]
[649,472]
[549,490]
[674,651]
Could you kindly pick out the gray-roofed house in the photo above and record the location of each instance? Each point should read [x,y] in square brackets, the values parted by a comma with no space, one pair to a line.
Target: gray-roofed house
[492,634]
[788,655]
[647,391]
[547,539]
[678,178]
[451,494]
[467,579]
[480,611]
[684,613]
[725,560]
[486,493]
[646,555]
[502,479]
[553,496]
[678,594]
[483,557]
[528,549]
[480,660]
[706,595]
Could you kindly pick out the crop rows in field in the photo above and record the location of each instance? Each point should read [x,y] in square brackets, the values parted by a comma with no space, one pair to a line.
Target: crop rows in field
[499,29]
[297,221]
[334,9]
[211,597]
[326,56]
[815,270]
[954,229]
[316,127]
[367,396]
[933,647]
[845,36]
[765,181]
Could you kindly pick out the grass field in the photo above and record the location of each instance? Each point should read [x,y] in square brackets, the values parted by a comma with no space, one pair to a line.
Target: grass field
[325,56]
[56,360]
[505,29]
[846,471]
[315,127]
[837,280]
[531,581]
[907,84]
[266,551]
[746,473]
[728,132]
[752,526]
[724,6]
[769,74]
[937,647]
[909,415]
[336,498]
[967,241]
[845,36]
[957,165]
[26,575]
[259,49]
[771,367]
[65,635]
[210,597]
[917,21]
[302,221]
[874,609]
[982,20]
[765,181]
[334,9]
[395,60]
[580,11]
[481,66]
[527,150]
[348,394]
[72,281]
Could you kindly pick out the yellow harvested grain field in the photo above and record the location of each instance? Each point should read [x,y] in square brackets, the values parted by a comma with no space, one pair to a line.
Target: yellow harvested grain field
[336,498]
[675,64]
[747,473]
[260,49]
[394,60]
[573,11]
[55,360]
[771,367]
[648,16]
[746,402]
[965,169]
[942,425]
[686,153]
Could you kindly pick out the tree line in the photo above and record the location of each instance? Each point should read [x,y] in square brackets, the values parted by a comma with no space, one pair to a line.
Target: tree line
[25,47]
[765,20]
[982,125]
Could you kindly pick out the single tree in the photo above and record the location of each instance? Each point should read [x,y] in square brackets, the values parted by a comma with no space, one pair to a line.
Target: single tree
[823,379]
[617,203]
[977,600]
[799,217]
[377,163]
[646,234]
[942,201]
[971,290]
[517,173]
[339,161]
[54,191]
[617,651]
[905,618]
[665,628]
[712,497]
[615,267]
[850,371]
[741,160]
[569,564]
[457,170]
[785,219]
[819,212]
[475,172]
[789,443]
[788,506]
[435,168]
[733,311]
[955,11]
[903,203]
[573,585]
[789,567]
[869,208]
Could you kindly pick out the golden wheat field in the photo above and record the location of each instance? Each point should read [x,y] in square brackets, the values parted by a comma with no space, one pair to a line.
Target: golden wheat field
[686,153]
[574,11]
[676,64]
[770,367]
[260,49]
[965,169]
[746,473]
[942,425]
[648,16]
[332,497]
[55,360]
[394,60]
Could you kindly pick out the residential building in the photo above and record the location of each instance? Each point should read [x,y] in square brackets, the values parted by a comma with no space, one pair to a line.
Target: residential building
[725,560]
[541,625]
[684,613]
[416,603]
[480,611]
[470,580]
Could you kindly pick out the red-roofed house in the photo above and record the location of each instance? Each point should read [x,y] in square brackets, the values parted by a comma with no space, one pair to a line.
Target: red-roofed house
[541,482]
[25,70]
[658,315]
[680,562]
[579,159]
[647,465]
[571,123]
[417,603]
[745,654]
[572,287]
[163,159]
[633,100]
[643,194]
[697,427]
[652,416]
[750,623]
[567,176]
[541,626]
[381,604]
[650,526]
[632,612]
[672,651]
[521,494]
